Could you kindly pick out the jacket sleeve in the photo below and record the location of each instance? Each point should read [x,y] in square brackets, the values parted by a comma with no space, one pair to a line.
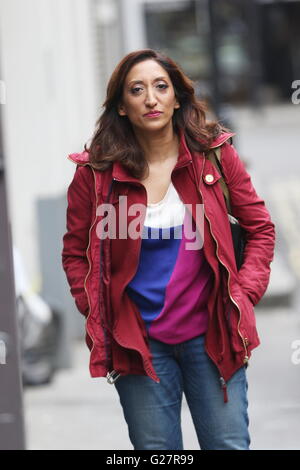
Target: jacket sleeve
[251,212]
[75,240]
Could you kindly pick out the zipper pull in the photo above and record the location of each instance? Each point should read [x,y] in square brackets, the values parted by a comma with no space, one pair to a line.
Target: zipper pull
[112,377]
[224,388]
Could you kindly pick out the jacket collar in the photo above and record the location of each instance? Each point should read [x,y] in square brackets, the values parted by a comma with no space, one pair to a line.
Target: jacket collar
[221,139]
[120,172]
[80,158]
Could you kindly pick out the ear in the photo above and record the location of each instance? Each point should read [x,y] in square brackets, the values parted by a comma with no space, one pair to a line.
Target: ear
[177,105]
[121,110]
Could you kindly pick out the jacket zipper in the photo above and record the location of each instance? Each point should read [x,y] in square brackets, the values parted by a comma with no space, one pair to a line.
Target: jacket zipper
[89,270]
[87,255]
[246,358]
[101,250]
[113,375]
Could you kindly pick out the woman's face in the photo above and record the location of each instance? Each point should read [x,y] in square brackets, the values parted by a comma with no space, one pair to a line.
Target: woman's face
[148,97]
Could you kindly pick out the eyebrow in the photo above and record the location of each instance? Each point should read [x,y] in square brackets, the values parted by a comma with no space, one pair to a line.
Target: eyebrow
[141,81]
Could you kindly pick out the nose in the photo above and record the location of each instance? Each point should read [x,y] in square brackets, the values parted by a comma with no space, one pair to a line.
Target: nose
[151,100]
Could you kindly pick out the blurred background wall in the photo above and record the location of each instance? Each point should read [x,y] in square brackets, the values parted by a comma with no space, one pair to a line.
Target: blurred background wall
[48,66]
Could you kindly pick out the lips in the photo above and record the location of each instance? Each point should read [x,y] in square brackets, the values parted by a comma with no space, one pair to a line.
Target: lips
[153,114]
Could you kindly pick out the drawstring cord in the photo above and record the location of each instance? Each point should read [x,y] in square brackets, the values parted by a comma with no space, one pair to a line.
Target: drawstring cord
[224,388]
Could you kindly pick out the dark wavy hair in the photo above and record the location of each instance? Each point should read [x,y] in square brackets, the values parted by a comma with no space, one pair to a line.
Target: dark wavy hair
[114,137]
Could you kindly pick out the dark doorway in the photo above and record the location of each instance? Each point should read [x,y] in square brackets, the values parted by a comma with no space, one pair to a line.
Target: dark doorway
[280,47]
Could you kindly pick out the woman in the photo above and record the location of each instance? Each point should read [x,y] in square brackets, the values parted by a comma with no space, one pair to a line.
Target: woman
[162,317]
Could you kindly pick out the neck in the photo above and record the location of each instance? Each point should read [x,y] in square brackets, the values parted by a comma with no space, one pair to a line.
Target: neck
[159,146]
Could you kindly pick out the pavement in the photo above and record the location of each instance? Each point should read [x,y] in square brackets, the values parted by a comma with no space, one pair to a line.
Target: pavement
[77,412]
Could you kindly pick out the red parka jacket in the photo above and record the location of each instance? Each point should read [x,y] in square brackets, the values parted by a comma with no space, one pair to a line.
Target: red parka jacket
[98,270]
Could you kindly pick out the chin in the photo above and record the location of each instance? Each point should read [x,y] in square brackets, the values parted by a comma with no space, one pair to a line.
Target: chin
[157,126]
[152,126]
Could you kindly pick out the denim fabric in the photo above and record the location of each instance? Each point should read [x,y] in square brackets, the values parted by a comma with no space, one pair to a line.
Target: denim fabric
[153,410]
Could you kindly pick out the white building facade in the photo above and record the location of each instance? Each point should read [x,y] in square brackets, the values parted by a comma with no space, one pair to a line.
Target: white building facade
[54,63]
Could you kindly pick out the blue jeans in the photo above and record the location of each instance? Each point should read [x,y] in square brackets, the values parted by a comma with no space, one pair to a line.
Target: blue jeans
[153,410]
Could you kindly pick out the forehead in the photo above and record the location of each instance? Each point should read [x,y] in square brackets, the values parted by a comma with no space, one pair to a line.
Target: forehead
[148,69]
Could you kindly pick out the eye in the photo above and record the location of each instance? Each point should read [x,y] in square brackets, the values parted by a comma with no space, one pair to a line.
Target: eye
[163,86]
[135,90]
